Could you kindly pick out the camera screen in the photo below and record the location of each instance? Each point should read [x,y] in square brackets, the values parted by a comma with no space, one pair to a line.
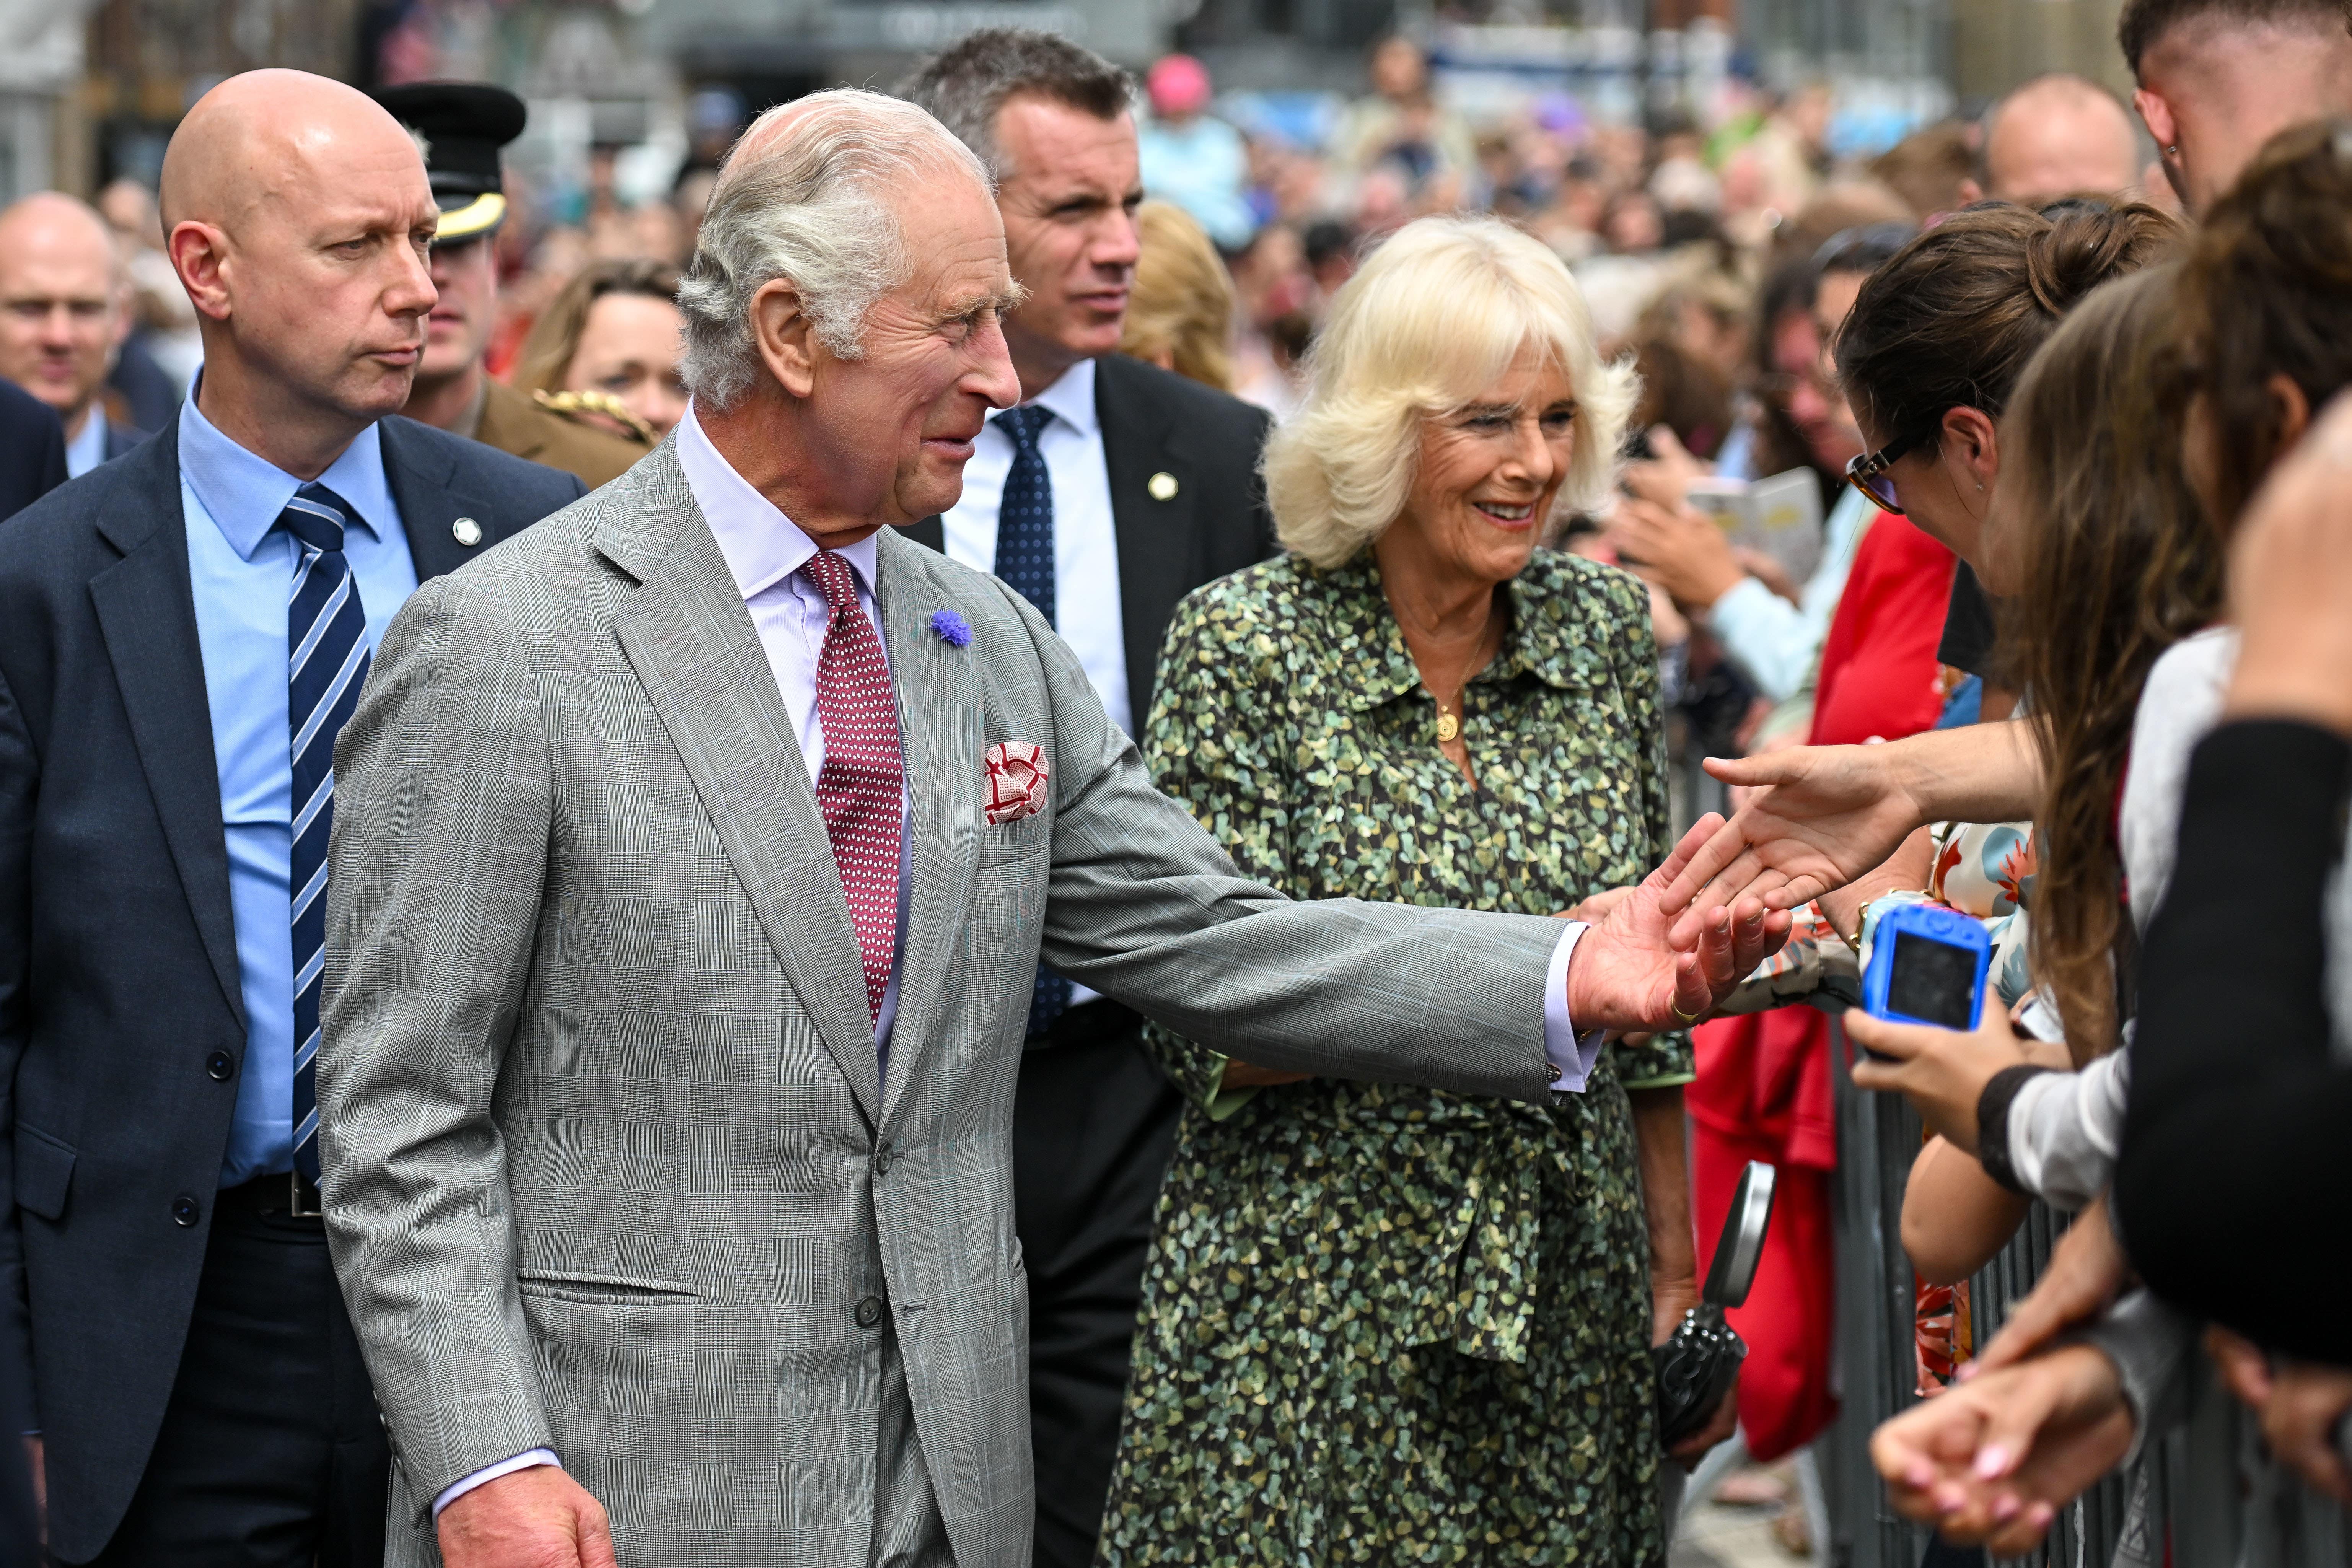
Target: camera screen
[1932,980]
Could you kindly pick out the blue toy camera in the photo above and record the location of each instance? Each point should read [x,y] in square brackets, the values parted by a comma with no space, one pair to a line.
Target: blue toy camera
[1927,966]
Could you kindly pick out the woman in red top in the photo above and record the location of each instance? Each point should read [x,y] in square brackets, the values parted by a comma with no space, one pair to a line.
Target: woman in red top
[1928,355]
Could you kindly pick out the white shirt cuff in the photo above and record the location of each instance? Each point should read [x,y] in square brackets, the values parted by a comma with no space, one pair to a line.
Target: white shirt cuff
[1571,1055]
[488,1473]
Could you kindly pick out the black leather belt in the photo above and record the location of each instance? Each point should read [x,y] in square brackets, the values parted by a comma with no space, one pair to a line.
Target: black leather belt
[284,1193]
[1088,1023]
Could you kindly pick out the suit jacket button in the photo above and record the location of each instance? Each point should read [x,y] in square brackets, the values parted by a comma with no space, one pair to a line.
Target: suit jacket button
[186,1212]
[466,531]
[883,1159]
[220,1066]
[869,1311]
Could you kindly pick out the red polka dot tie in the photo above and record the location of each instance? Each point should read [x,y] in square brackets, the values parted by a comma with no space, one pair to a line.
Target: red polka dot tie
[859,788]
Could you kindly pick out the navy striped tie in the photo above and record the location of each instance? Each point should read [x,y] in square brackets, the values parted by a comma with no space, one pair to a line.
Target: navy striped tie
[1024,561]
[327,658]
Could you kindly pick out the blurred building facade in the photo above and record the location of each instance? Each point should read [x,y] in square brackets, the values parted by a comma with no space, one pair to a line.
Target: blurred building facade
[624,93]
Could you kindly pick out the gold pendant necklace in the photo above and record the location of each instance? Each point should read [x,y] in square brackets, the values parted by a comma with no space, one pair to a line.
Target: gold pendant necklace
[1448,726]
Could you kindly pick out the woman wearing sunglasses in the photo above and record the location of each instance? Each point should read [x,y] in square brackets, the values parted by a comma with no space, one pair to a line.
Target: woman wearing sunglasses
[1938,336]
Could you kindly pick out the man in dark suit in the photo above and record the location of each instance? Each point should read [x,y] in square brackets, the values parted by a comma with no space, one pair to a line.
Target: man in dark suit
[1110,493]
[182,635]
[65,308]
[32,449]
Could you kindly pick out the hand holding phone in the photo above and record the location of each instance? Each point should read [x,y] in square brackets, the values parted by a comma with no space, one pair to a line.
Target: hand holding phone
[1927,966]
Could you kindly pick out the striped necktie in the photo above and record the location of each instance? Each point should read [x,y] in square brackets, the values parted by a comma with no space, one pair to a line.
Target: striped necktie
[327,658]
[1024,561]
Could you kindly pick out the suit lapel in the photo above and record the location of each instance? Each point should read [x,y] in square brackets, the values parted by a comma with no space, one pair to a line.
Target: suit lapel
[146,611]
[690,639]
[941,739]
[1155,535]
[419,476]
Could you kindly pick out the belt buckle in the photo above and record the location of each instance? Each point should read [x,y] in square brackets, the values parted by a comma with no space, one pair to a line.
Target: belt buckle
[294,1206]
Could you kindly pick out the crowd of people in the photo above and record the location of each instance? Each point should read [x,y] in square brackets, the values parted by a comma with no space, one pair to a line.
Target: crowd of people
[589,971]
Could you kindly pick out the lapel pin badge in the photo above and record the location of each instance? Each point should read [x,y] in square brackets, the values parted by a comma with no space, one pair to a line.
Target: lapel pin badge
[953,630]
[466,531]
[1162,485]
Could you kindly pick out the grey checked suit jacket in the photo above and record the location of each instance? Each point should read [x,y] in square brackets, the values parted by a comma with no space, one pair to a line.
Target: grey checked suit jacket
[600,1105]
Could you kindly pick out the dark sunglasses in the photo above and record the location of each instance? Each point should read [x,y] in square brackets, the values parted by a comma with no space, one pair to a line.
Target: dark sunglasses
[1868,473]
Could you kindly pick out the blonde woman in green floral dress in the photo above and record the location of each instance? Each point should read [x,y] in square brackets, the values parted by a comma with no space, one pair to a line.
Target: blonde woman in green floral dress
[1388,1325]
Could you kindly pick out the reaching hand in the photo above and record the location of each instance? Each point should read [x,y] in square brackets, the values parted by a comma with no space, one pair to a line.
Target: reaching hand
[1823,817]
[1942,1072]
[2087,1271]
[538,1518]
[2300,1404]
[1629,973]
[1994,1460]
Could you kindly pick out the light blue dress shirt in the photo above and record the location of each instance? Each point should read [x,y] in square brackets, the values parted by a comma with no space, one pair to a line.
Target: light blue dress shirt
[241,567]
[87,450]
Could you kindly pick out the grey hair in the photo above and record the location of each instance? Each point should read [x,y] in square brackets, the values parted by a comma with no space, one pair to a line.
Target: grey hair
[968,85]
[807,194]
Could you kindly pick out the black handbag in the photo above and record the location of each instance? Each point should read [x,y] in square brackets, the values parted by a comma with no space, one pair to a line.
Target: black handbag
[1696,1367]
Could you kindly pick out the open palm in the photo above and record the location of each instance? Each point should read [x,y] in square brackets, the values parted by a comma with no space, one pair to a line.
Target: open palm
[1821,817]
[1632,972]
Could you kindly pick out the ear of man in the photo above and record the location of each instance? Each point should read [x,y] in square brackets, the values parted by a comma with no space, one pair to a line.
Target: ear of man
[786,336]
[199,253]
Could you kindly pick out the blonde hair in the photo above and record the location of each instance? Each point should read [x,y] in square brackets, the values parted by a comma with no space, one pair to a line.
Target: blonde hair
[1430,321]
[1181,304]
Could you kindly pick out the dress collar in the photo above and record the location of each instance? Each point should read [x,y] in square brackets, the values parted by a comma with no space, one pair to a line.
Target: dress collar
[1071,399]
[245,494]
[762,546]
[1386,671]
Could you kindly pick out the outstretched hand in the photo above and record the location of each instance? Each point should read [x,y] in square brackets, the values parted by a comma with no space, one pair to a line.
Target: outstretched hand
[1631,973]
[1994,1460]
[1820,816]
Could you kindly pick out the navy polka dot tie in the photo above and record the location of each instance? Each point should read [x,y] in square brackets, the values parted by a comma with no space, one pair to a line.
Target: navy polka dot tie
[1024,561]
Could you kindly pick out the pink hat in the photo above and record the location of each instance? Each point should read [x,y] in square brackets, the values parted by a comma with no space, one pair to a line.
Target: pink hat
[1177,84]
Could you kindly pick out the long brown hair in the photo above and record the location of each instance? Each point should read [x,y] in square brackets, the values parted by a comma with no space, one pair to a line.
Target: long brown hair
[1950,321]
[2267,292]
[2118,566]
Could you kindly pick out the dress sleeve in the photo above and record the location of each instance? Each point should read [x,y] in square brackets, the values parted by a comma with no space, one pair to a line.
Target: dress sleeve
[1208,745]
[1659,1061]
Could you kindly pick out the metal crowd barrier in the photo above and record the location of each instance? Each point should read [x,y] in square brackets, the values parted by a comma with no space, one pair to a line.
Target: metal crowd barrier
[2206,1489]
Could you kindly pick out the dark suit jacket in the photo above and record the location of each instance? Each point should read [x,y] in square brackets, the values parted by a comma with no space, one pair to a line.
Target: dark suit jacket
[1215,521]
[121,442]
[119,979]
[32,449]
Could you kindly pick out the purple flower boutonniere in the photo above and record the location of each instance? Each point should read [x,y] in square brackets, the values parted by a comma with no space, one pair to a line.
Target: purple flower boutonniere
[953,630]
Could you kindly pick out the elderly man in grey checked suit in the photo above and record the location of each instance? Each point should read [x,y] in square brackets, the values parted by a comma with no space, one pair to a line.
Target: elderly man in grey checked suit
[694,856]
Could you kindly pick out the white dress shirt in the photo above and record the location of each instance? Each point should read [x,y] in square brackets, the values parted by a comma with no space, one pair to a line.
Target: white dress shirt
[1085,543]
[1085,540]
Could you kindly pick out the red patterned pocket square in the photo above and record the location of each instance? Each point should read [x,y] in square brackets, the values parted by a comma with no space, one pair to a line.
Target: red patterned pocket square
[1016,781]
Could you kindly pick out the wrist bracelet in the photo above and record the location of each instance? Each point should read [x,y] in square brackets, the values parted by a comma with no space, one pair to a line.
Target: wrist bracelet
[1992,1123]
